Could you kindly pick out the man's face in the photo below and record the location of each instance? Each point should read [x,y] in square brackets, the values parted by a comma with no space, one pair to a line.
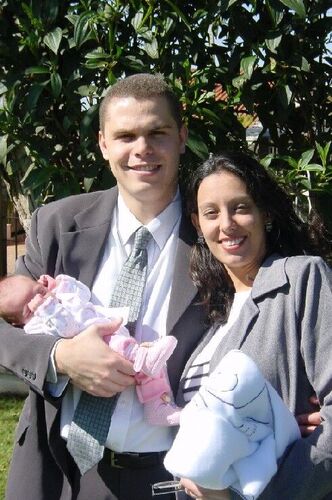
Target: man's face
[142,144]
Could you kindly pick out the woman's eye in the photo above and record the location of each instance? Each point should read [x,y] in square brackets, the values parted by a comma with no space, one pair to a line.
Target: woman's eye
[209,214]
[241,207]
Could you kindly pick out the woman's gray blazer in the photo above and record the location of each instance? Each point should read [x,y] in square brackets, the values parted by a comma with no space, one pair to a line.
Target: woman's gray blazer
[286,328]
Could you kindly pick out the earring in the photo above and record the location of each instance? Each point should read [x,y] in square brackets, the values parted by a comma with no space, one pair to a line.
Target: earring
[200,239]
[268,226]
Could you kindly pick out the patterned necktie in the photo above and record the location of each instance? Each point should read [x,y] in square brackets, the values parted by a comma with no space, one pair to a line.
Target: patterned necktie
[92,418]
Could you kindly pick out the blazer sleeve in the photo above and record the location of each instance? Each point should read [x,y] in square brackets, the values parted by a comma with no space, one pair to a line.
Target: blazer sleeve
[27,356]
[304,471]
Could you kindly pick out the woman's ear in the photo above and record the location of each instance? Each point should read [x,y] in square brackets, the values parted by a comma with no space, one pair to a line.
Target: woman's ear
[194,220]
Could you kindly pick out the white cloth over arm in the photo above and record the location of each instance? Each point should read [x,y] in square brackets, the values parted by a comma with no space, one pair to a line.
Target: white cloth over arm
[233,430]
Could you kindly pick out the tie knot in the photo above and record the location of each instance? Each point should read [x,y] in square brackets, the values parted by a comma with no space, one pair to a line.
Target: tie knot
[142,238]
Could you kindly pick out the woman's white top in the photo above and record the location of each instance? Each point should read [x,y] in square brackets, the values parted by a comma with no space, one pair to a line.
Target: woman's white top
[200,367]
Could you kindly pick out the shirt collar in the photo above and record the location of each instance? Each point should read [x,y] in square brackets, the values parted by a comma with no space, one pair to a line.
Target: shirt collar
[160,227]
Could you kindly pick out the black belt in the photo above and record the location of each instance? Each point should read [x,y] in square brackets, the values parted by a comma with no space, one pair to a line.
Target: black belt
[133,460]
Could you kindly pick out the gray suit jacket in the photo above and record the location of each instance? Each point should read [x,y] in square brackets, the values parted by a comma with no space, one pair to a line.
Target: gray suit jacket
[285,326]
[68,236]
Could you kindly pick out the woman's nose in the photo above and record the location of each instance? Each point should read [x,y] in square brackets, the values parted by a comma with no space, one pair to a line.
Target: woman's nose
[226,223]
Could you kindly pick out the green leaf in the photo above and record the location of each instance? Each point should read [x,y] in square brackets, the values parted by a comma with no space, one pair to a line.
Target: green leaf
[323,152]
[225,4]
[305,183]
[209,114]
[152,49]
[50,11]
[82,30]
[136,21]
[306,158]
[314,167]
[296,5]
[305,66]
[3,88]
[53,40]
[273,42]
[285,96]
[56,84]
[196,144]
[37,70]
[238,81]
[86,90]
[133,63]
[3,148]
[247,66]
[96,63]
[97,54]
[35,177]
[88,182]
[88,118]
[33,95]
[180,14]
[267,160]
[275,13]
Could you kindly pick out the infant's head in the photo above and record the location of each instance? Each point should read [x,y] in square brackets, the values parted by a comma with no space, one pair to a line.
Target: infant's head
[16,292]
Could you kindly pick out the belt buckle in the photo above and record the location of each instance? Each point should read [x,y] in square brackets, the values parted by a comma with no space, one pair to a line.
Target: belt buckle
[114,461]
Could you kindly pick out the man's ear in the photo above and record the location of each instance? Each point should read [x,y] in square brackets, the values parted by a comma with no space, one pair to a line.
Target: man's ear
[103,145]
[195,221]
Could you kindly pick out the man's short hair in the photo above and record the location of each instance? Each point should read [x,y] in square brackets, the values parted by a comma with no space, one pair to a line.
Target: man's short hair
[141,86]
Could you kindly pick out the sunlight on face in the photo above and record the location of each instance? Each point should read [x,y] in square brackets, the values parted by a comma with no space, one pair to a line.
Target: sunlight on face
[142,143]
[231,223]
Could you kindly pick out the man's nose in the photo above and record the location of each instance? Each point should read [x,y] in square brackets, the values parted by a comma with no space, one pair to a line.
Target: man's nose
[142,146]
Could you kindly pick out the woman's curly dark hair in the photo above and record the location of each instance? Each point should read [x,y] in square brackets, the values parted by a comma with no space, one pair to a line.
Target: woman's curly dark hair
[290,235]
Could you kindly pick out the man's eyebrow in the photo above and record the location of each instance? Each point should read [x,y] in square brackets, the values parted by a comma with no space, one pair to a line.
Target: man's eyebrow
[158,126]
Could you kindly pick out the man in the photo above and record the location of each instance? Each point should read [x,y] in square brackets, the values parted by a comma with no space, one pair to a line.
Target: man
[89,237]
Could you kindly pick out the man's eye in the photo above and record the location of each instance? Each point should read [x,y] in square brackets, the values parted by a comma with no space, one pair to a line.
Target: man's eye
[125,137]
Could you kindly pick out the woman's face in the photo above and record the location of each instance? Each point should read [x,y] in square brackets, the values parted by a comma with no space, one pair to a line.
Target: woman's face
[232,225]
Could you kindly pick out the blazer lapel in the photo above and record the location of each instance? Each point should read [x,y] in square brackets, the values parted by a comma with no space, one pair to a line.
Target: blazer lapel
[183,291]
[271,277]
[81,249]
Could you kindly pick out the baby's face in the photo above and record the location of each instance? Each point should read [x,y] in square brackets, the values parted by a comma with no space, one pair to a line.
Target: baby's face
[24,290]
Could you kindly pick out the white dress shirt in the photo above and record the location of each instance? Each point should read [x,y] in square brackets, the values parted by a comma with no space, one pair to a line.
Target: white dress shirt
[128,431]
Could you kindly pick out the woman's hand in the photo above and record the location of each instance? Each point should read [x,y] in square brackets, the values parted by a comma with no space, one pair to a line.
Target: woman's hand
[195,491]
[308,422]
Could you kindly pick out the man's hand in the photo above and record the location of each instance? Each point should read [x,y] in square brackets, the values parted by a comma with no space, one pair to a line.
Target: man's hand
[90,363]
[195,491]
[309,421]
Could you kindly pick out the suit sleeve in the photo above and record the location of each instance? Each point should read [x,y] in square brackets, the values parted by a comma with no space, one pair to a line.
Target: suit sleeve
[305,469]
[27,356]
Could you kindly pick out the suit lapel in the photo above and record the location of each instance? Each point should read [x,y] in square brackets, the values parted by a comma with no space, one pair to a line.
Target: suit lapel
[81,249]
[271,277]
[183,291]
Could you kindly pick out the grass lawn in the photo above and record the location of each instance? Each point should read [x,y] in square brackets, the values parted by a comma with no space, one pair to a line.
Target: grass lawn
[10,407]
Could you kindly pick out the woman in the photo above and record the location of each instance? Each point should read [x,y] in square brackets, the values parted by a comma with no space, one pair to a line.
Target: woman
[267,296]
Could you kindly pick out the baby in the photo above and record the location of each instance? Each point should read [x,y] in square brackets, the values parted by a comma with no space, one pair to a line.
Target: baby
[61,306]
